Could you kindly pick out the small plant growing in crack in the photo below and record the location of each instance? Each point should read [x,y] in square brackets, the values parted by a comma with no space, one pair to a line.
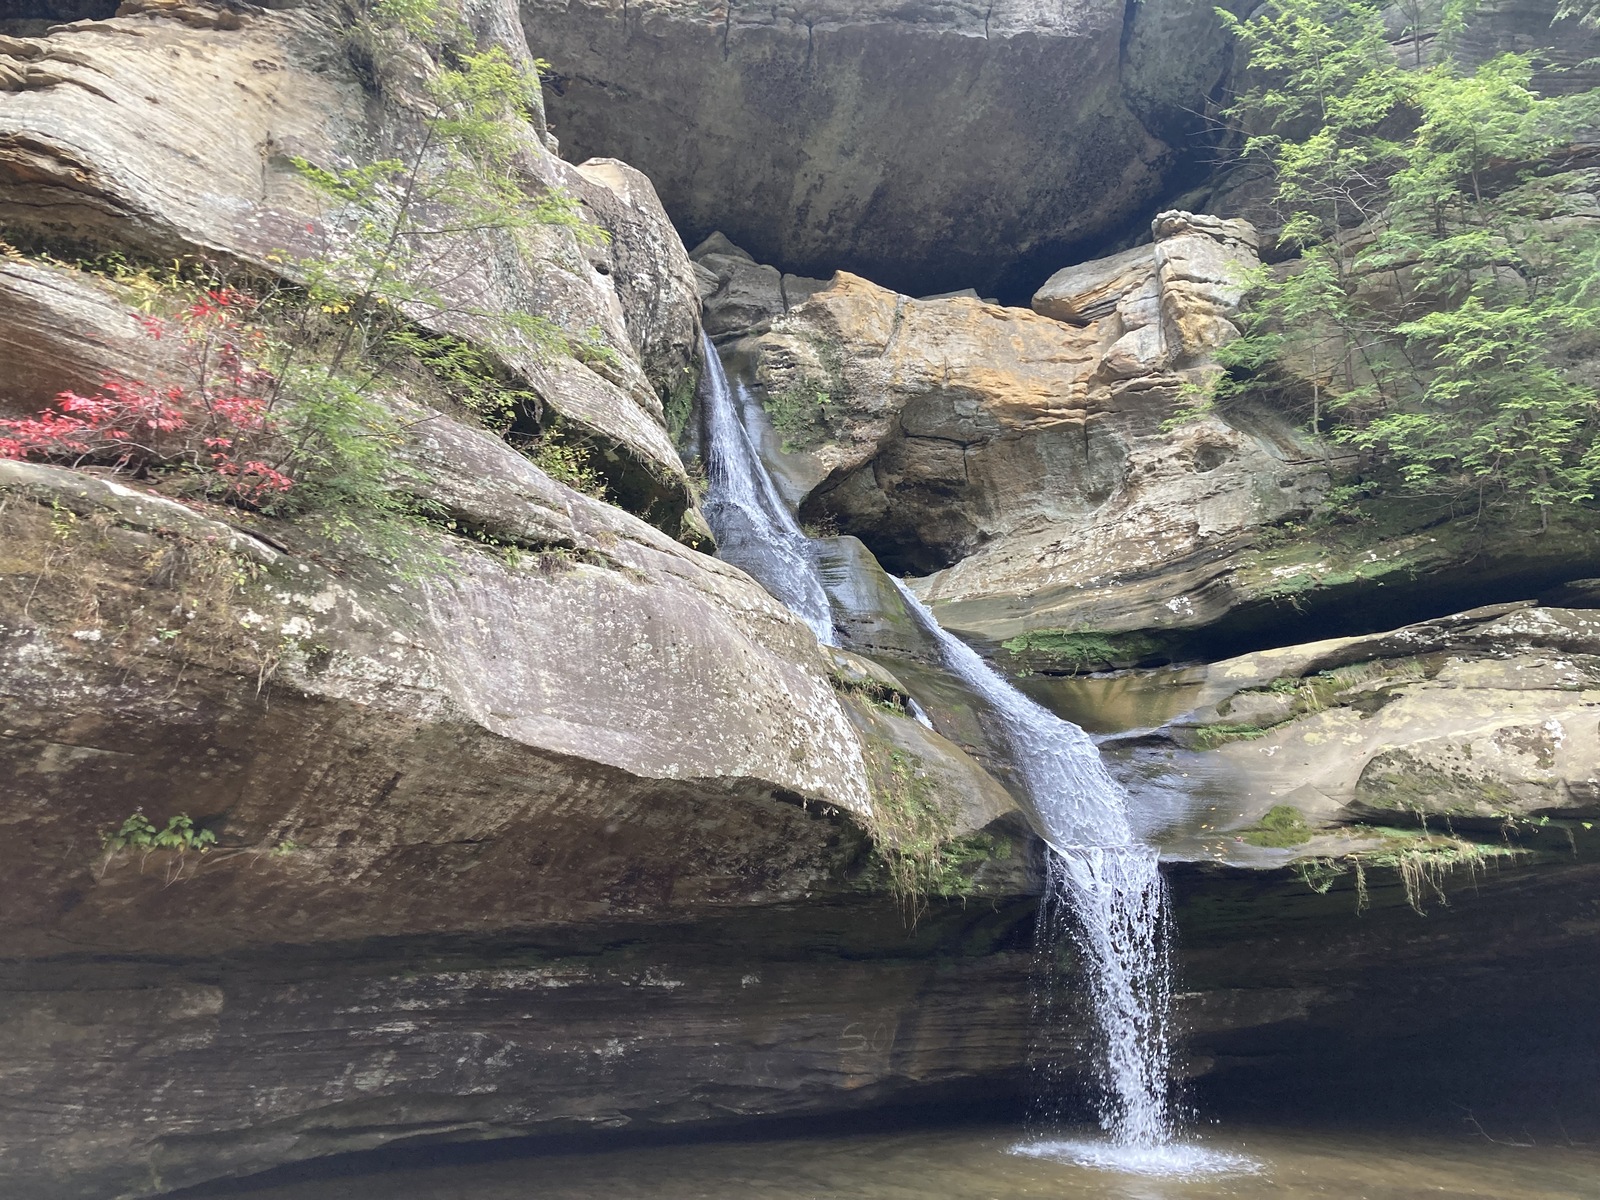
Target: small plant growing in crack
[138,832]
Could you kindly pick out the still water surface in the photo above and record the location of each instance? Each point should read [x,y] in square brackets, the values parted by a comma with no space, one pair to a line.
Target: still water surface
[977,1164]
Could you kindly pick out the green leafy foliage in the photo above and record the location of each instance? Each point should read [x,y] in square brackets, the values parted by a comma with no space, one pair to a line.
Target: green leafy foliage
[403,228]
[801,413]
[566,462]
[1439,295]
[317,369]
[469,377]
[679,404]
[139,833]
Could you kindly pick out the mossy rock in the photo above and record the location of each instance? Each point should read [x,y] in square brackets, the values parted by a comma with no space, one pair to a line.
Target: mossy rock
[1073,652]
[1282,827]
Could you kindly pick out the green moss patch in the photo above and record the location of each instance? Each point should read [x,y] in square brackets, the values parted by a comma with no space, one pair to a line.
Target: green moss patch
[1209,737]
[1071,652]
[1281,827]
[913,832]
[809,409]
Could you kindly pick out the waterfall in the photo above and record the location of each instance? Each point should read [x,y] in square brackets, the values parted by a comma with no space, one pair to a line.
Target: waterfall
[1104,890]
[755,529]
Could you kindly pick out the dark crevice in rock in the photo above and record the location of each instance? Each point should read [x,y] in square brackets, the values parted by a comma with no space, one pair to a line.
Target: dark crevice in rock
[57,11]
[1355,609]
[1346,610]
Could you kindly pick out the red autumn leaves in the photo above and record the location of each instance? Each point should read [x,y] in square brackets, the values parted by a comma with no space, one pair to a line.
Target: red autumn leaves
[219,422]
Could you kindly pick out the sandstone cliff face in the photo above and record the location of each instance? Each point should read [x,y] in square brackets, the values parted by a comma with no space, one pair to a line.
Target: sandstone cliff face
[1474,721]
[926,146]
[157,135]
[1049,473]
[565,730]
[1027,453]
[608,728]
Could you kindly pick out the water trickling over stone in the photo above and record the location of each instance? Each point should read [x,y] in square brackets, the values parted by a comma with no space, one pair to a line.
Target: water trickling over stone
[1104,891]
[755,529]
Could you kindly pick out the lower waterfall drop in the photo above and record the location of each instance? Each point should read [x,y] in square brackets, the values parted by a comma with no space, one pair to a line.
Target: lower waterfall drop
[1105,891]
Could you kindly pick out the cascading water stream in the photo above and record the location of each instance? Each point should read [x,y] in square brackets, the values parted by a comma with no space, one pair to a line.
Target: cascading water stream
[1104,887]
[755,530]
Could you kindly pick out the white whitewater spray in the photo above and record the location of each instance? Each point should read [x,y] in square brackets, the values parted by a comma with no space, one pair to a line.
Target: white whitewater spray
[1104,889]
[755,529]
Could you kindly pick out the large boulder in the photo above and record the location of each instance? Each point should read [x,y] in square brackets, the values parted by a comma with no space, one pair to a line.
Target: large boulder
[1481,722]
[650,271]
[927,146]
[570,726]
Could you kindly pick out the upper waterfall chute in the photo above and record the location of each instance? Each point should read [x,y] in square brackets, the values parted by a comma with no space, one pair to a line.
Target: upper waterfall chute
[754,528]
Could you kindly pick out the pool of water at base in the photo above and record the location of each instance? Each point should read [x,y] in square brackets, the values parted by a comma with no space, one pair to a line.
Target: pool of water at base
[983,1163]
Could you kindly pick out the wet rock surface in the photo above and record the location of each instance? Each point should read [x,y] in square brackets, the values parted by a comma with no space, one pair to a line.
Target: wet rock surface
[1029,454]
[1069,497]
[572,833]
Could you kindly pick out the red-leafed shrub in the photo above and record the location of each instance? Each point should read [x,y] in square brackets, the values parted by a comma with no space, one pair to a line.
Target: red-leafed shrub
[218,422]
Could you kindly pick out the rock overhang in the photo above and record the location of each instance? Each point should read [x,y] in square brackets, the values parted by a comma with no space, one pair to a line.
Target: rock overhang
[928,147]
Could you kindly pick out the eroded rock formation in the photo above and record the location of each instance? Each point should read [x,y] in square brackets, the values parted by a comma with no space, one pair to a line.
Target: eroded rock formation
[98,154]
[929,147]
[1058,478]
[553,717]
[1026,453]
[1473,721]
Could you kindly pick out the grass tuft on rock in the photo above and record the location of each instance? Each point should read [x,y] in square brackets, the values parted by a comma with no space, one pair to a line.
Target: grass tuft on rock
[913,836]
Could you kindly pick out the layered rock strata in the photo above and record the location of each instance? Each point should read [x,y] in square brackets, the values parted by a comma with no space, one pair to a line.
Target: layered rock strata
[1025,451]
[1060,479]
[96,156]
[932,147]
[546,723]
[1477,721]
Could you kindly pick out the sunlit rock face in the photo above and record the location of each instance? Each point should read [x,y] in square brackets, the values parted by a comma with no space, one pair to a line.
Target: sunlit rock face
[1059,477]
[926,146]
[1030,457]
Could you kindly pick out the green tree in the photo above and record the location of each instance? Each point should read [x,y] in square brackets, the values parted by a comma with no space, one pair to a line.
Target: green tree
[1324,82]
[410,243]
[1438,292]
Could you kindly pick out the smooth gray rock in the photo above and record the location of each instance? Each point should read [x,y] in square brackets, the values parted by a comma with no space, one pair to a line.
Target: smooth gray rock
[927,146]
